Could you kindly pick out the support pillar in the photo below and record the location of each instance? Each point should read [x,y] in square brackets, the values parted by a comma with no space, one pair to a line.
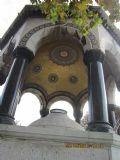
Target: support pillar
[77,115]
[13,84]
[44,112]
[98,111]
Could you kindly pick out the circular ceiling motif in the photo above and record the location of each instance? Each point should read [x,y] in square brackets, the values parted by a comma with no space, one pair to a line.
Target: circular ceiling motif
[63,55]
[52,78]
[73,79]
[36,68]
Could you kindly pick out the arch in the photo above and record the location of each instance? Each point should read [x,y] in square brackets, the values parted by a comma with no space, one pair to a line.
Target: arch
[38,94]
[85,116]
[38,91]
[78,109]
[59,104]
[60,98]
[28,109]
[63,98]
[31,39]
[77,104]
[82,98]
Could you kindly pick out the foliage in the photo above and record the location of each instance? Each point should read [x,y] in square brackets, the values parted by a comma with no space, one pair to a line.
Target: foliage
[78,11]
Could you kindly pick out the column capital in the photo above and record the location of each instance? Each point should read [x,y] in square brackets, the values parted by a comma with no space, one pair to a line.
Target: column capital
[23,52]
[93,55]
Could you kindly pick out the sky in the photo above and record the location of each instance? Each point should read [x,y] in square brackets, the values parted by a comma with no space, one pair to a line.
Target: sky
[9,10]
[29,107]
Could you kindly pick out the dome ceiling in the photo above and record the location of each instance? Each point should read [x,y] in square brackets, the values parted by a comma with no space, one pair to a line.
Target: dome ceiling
[58,67]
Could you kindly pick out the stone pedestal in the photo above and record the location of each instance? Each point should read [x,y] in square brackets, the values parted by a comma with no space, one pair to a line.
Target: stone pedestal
[32,143]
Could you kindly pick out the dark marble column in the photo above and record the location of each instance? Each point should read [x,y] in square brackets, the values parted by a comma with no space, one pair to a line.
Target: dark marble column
[44,112]
[98,111]
[13,84]
[77,115]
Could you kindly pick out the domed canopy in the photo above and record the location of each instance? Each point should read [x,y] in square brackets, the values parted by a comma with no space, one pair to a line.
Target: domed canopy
[58,68]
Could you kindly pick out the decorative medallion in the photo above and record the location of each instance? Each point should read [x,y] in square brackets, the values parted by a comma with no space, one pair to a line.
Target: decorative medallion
[36,68]
[73,79]
[52,78]
[63,55]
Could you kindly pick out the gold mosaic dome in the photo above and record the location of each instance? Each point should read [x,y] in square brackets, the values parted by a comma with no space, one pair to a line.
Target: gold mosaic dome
[58,69]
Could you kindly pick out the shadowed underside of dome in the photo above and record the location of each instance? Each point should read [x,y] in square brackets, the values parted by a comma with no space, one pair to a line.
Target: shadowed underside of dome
[58,67]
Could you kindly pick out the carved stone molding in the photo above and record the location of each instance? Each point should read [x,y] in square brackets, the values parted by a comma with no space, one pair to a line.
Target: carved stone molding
[93,40]
[29,34]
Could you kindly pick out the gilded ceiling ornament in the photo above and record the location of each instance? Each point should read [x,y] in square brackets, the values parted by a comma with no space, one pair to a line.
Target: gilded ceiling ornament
[73,79]
[52,78]
[63,55]
[37,68]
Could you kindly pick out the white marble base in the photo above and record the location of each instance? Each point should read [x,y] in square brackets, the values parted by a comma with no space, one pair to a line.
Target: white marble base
[32,143]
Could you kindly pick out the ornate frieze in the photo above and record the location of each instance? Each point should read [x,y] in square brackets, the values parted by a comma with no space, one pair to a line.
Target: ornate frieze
[29,34]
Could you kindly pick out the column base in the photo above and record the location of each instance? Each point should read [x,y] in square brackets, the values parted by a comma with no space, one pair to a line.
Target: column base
[100,127]
[6,119]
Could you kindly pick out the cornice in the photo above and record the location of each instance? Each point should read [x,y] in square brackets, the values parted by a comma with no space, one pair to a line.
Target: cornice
[31,11]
